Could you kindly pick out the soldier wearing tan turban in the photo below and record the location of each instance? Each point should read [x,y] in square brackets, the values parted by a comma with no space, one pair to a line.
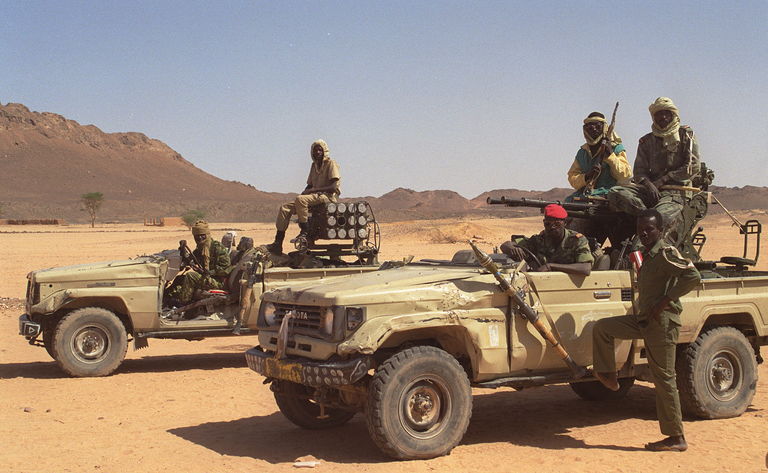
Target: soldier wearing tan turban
[668,155]
[323,186]
[214,266]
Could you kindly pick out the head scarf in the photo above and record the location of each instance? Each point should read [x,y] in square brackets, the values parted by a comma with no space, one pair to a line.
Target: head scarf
[322,144]
[669,134]
[594,117]
[201,228]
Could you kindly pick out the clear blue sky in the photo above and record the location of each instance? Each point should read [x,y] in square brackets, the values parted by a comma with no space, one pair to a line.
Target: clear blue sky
[467,96]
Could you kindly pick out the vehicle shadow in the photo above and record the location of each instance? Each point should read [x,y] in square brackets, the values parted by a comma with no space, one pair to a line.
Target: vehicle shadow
[147,364]
[544,417]
[272,438]
[540,418]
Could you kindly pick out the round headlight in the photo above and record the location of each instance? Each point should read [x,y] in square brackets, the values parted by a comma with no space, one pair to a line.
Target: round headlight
[361,208]
[331,208]
[362,232]
[361,220]
[326,319]
[331,233]
[270,313]
[342,233]
[331,221]
[341,207]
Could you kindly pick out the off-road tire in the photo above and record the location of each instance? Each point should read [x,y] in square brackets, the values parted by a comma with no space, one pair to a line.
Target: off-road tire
[717,374]
[595,391]
[294,401]
[90,342]
[434,379]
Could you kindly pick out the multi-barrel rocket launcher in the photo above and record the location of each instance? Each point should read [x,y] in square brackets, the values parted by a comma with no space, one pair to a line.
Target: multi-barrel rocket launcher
[527,311]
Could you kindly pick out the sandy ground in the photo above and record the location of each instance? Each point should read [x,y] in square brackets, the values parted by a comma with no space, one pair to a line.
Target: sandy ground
[196,407]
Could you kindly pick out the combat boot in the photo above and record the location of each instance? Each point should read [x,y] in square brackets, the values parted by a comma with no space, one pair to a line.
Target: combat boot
[304,230]
[276,246]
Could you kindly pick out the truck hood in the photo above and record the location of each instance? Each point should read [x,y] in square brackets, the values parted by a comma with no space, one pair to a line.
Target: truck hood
[401,284]
[139,267]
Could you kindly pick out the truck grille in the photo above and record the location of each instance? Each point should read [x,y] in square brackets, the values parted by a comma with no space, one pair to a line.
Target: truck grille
[306,316]
[33,292]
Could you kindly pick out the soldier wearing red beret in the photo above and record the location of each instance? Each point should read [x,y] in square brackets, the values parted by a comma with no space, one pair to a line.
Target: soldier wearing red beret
[554,249]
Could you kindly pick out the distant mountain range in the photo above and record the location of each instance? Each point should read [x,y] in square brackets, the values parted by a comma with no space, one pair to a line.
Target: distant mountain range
[47,161]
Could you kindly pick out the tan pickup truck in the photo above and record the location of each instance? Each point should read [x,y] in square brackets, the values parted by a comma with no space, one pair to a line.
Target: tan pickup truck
[85,315]
[405,345]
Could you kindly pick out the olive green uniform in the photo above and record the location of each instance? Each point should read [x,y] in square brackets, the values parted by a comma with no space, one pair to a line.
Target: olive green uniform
[573,248]
[218,269]
[654,161]
[663,273]
[320,175]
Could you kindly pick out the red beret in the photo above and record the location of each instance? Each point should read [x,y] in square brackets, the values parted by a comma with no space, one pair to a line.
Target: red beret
[555,211]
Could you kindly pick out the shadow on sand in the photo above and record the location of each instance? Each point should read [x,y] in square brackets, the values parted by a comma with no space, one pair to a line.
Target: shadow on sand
[540,418]
[147,364]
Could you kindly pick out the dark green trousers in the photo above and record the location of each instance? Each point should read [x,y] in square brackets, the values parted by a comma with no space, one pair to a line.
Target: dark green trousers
[660,345]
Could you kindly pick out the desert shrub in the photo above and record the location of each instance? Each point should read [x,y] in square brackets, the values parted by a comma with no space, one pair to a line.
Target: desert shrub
[189,217]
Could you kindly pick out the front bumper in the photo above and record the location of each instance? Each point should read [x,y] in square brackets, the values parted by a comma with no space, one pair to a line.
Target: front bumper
[307,372]
[28,328]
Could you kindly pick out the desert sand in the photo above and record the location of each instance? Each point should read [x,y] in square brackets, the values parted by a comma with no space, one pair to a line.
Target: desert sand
[196,407]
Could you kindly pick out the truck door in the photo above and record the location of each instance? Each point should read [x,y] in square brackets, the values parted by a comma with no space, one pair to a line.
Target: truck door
[574,304]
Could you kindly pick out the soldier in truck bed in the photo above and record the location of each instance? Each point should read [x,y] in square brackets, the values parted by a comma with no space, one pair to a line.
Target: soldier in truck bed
[596,165]
[669,155]
[323,186]
[214,266]
[556,247]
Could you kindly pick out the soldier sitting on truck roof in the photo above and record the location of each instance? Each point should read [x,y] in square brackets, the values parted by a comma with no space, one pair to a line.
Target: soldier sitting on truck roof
[555,248]
[322,187]
[210,265]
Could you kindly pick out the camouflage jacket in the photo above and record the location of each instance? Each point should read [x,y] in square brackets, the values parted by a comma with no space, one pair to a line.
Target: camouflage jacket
[218,267]
[573,248]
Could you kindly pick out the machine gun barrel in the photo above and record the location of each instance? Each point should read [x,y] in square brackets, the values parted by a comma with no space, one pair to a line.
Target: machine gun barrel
[527,311]
[575,209]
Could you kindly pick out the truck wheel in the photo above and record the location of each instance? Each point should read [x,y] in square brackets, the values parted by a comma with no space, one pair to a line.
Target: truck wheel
[90,342]
[419,404]
[717,374]
[296,404]
[595,391]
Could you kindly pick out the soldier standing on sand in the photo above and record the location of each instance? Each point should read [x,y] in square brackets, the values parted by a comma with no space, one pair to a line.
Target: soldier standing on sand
[214,265]
[556,248]
[664,277]
[669,155]
[323,186]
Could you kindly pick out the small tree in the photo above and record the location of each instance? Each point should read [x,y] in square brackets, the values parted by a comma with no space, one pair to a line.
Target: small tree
[189,217]
[92,202]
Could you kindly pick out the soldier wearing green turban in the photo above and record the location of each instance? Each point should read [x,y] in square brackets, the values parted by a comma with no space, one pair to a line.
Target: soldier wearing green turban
[214,266]
[668,155]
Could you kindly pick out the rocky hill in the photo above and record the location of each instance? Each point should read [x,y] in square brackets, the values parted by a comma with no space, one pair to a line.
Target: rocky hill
[47,161]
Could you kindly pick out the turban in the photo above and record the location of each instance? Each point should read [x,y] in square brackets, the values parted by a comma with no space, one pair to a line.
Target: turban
[200,227]
[322,144]
[597,117]
[669,134]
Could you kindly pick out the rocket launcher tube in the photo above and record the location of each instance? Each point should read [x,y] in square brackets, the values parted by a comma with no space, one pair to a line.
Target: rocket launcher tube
[527,311]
